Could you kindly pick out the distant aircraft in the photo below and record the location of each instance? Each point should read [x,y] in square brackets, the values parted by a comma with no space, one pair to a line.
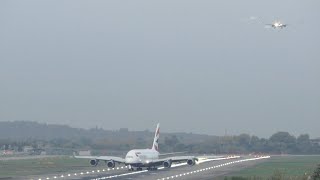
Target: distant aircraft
[139,158]
[277,25]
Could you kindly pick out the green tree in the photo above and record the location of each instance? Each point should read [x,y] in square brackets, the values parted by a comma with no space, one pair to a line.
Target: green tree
[316,173]
[304,144]
[141,143]
[171,141]
[244,140]
[283,142]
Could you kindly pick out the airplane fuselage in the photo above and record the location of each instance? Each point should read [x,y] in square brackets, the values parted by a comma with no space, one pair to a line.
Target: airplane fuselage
[278,25]
[141,157]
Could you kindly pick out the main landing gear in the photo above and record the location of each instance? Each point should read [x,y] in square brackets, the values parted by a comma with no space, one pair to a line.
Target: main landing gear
[138,169]
[130,168]
[152,168]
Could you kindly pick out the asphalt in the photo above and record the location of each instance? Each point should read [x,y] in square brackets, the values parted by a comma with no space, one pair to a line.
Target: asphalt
[203,171]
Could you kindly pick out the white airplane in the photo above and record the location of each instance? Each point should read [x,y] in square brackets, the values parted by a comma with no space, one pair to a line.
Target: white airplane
[277,25]
[139,158]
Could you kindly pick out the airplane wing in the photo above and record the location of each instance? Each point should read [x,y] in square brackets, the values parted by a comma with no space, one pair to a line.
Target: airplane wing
[268,25]
[190,160]
[196,158]
[166,154]
[180,158]
[210,157]
[103,158]
[170,160]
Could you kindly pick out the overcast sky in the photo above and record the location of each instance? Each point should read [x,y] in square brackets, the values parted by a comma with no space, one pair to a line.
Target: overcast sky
[194,66]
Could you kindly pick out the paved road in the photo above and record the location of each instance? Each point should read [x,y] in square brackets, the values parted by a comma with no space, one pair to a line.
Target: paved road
[204,171]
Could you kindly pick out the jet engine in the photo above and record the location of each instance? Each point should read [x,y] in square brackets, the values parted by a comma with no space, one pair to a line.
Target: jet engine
[191,162]
[110,164]
[94,162]
[167,164]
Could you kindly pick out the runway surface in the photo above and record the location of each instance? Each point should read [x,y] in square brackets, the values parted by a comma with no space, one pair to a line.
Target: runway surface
[205,170]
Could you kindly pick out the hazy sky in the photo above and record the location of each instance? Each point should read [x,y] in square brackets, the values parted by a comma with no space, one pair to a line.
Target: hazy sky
[194,66]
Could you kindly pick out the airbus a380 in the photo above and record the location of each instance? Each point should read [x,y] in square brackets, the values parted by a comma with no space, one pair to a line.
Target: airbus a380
[139,158]
[277,25]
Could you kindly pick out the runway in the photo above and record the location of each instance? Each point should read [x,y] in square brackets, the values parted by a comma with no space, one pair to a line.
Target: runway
[205,170]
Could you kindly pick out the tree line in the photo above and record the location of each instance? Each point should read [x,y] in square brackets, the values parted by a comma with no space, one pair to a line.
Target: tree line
[60,139]
[278,143]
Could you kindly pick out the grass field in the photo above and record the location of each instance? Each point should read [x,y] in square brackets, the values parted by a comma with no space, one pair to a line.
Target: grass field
[49,165]
[292,167]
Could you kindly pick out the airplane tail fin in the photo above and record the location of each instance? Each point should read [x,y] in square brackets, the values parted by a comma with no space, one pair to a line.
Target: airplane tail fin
[155,145]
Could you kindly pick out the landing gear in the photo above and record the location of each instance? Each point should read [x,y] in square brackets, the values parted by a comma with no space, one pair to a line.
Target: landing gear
[152,168]
[139,169]
[130,168]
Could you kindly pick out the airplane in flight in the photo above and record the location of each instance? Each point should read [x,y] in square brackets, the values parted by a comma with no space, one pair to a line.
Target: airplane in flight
[139,158]
[277,25]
